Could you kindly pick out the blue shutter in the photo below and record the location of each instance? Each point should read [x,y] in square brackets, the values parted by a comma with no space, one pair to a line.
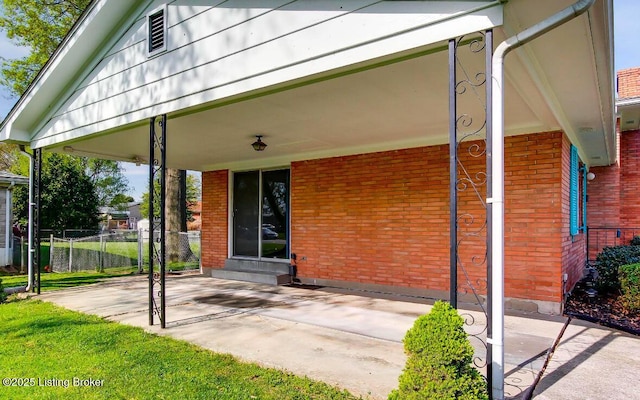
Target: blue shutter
[573,192]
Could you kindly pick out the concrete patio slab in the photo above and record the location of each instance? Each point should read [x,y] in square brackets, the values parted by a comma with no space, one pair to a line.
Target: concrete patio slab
[354,339]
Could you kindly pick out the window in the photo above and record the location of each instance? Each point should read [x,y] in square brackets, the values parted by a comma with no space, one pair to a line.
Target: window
[157,31]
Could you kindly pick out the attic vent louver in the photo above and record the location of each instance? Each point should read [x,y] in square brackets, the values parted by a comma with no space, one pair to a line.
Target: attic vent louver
[157,26]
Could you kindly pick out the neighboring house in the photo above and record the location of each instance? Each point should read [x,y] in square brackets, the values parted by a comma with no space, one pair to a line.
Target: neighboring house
[613,211]
[113,218]
[196,216]
[196,212]
[8,182]
[134,214]
[352,99]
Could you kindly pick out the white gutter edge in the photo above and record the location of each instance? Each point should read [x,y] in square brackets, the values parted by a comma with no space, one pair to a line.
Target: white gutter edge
[497,186]
[8,231]
[635,101]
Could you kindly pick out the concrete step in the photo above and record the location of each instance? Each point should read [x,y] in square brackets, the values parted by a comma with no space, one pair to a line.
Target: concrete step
[267,277]
[269,272]
[255,265]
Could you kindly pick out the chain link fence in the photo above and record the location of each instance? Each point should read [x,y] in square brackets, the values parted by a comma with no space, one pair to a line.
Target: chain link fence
[121,249]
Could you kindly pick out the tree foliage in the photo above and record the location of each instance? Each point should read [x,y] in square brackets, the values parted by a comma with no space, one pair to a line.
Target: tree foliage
[108,179]
[121,201]
[192,197]
[8,156]
[40,25]
[69,198]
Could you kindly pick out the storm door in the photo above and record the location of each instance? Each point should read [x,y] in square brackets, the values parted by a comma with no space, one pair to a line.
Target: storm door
[261,214]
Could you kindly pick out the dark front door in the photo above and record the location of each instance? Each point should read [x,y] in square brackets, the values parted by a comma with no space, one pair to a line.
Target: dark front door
[261,214]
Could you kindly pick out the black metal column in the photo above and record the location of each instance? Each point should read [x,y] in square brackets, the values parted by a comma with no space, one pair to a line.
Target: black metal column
[183,200]
[453,178]
[36,218]
[157,172]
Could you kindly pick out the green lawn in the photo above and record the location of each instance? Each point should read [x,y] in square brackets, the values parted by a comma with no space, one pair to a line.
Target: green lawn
[45,344]
[54,281]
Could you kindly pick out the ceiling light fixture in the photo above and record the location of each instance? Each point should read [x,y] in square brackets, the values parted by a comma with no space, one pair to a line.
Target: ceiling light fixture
[259,145]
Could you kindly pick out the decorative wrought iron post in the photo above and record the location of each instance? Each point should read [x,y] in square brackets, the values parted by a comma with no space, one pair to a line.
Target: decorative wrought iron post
[157,171]
[469,144]
[37,219]
[453,178]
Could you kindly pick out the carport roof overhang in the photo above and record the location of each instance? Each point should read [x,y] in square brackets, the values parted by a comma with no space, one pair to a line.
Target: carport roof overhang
[629,113]
[561,81]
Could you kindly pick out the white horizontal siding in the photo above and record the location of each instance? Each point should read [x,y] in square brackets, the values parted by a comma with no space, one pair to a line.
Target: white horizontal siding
[209,38]
[219,52]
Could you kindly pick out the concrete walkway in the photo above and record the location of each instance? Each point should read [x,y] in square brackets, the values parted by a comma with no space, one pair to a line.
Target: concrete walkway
[354,340]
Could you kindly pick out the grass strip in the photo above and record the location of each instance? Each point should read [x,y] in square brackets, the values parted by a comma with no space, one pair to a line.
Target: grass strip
[56,281]
[48,345]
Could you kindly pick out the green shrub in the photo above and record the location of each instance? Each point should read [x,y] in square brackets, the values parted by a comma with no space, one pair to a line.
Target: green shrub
[608,262]
[630,286]
[635,241]
[439,360]
[3,295]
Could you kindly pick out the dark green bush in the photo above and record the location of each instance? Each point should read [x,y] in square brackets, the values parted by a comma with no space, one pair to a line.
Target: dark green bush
[608,262]
[439,360]
[630,286]
[635,241]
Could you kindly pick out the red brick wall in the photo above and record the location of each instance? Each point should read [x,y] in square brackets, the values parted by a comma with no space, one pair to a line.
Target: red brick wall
[629,83]
[215,213]
[534,225]
[374,218]
[383,218]
[573,247]
[603,208]
[613,197]
[630,178]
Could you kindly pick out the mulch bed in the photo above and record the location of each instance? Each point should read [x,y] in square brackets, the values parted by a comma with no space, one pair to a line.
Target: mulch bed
[603,309]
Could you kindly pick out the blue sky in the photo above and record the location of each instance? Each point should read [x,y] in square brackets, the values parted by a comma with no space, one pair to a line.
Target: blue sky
[626,33]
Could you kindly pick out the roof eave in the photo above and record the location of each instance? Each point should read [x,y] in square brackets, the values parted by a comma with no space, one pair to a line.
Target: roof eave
[68,61]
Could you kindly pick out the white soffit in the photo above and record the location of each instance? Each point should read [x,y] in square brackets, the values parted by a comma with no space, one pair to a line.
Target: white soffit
[572,69]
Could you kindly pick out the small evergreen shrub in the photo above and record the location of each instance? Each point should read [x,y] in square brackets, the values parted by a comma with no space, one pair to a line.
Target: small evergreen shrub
[630,286]
[439,360]
[3,295]
[635,241]
[608,262]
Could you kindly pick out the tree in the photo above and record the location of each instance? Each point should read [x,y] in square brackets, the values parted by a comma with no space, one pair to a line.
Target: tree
[8,156]
[40,25]
[192,197]
[69,198]
[174,251]
[120,201]
[108,179]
